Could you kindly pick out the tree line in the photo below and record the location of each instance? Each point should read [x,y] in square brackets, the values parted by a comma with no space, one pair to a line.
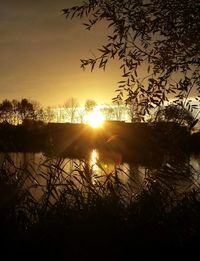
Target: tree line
[16,112]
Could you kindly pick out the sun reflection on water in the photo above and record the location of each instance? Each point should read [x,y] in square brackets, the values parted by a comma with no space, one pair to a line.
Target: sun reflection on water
[94,159]
[93,162]
[104,162]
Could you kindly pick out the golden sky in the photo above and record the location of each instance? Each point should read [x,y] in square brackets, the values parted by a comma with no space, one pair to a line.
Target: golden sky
[40,54]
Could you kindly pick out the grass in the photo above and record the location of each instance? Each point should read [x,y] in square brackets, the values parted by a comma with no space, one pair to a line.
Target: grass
[73,213]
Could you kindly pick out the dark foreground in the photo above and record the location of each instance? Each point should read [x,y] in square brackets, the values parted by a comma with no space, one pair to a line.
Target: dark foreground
[101,221]
[95,221]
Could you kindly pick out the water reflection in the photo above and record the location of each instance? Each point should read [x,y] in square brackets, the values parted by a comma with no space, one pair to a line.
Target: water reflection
[93,160]
[195,162]
[97,167]
[106,163]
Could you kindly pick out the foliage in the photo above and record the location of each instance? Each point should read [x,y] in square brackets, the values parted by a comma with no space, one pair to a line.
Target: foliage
[175,113]
[17,111]
[118,109]
[48,114]
[6,108]
[26,110]
[89,105]
[157,43]
[108,112]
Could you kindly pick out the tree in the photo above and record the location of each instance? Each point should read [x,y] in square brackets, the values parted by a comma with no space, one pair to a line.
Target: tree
[16,118]
[29,110]
[108,112]
[49,114]
[156,37]
[16,111]
[89,105]
[175,113]
[6,111]
[39,113]
[118,109]
[71,107]
[133,113]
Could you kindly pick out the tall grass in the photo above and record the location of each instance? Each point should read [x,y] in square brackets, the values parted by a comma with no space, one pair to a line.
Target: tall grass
[47,206]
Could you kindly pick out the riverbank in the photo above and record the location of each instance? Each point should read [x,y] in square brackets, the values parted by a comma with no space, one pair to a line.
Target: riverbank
[61,138]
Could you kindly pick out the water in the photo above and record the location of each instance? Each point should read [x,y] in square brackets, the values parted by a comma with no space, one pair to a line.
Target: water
[195,162]
[96,168]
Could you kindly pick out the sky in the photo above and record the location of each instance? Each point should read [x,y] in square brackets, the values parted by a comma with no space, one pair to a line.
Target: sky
[40,54]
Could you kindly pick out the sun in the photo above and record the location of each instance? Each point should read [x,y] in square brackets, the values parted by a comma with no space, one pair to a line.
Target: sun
[95,119]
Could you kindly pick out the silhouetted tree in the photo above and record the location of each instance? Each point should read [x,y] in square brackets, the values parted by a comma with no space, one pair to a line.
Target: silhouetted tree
[6,111]
[134,113]
[108,112]
[89,105]
[81,115]
[16,117]
[71,108]
[158,38]
[118,109]
[29,110]
[16,111]
[25,109]
[49,114]
[175,113]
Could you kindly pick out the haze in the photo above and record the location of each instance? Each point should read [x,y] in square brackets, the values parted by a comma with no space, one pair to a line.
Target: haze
[40,54]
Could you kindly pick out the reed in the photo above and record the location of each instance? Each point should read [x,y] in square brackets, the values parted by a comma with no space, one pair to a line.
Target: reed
[45,205]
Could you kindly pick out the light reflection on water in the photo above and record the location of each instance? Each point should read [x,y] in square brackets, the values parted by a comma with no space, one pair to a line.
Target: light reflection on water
[93,160]
[96,167]
[195,162]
